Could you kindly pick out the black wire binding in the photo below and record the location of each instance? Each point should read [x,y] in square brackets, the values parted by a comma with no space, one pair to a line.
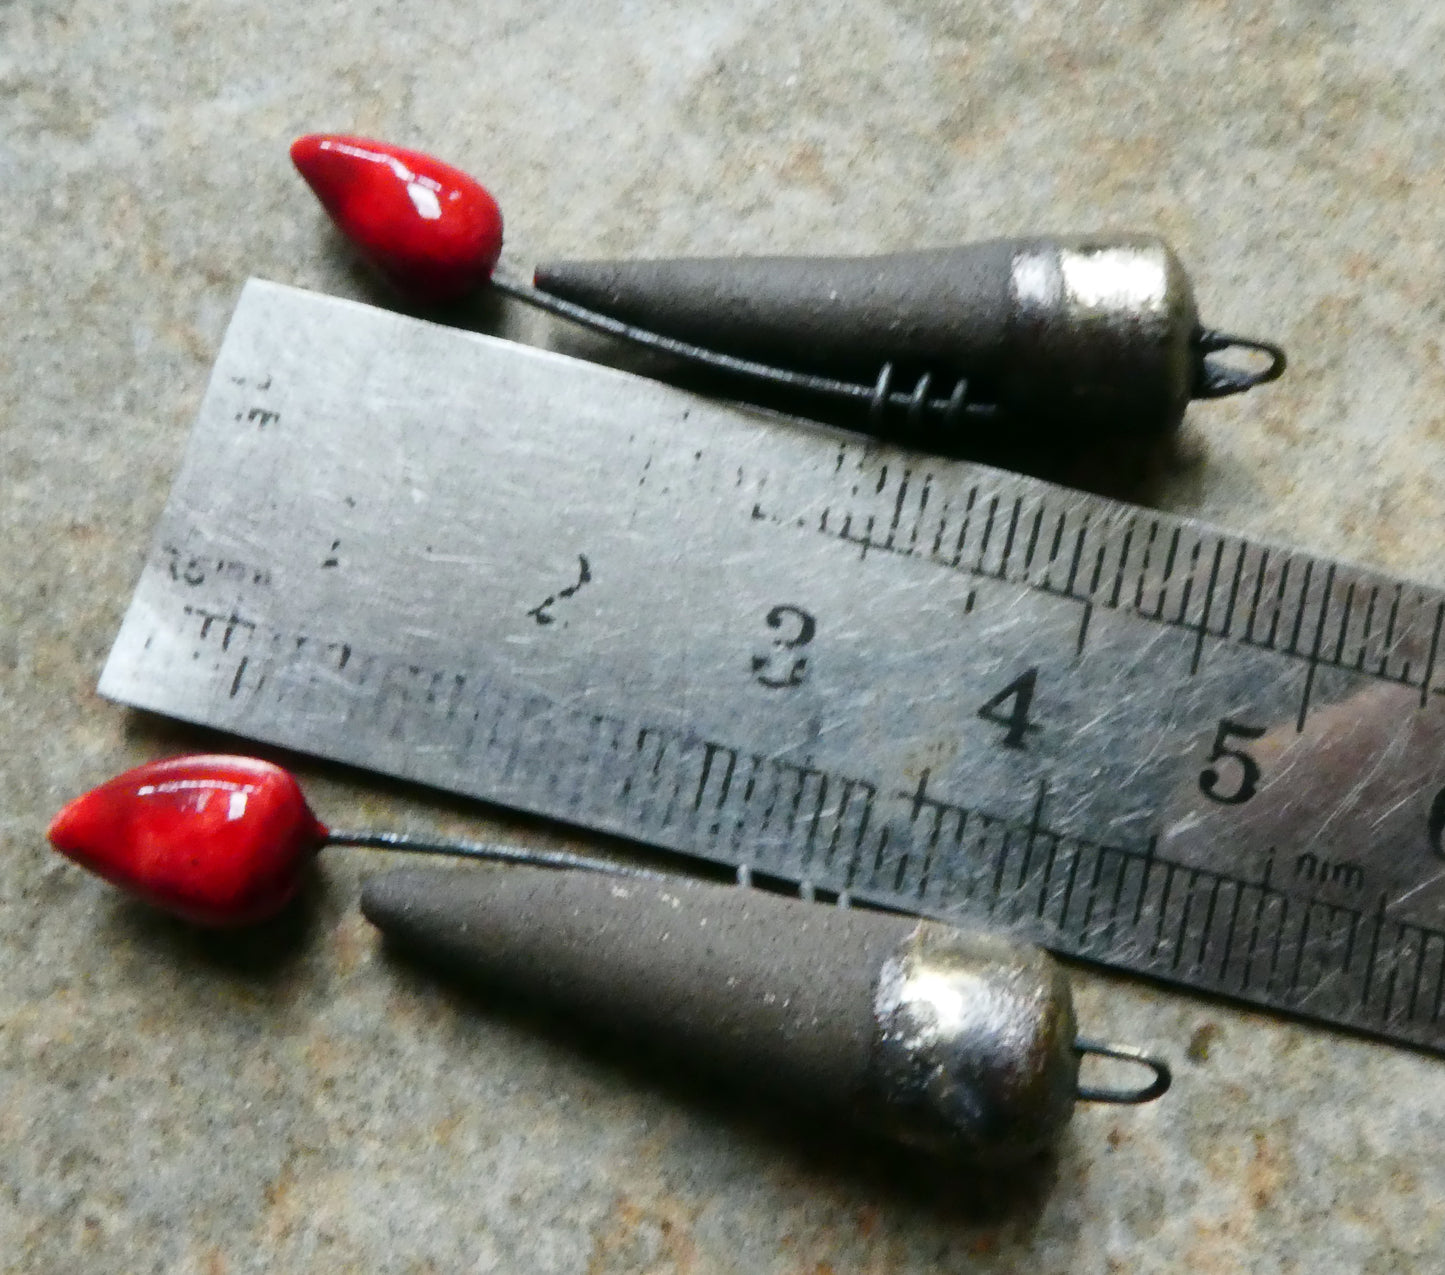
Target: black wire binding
[920,403]
[880,398]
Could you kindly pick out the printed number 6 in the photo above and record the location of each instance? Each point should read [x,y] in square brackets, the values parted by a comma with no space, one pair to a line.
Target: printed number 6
[1249,772]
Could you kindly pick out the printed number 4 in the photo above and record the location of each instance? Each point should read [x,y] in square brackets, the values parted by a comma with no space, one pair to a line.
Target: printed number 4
[1015,720]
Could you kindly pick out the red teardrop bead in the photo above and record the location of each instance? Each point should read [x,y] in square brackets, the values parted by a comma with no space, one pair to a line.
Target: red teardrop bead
[434,232]
[218,840]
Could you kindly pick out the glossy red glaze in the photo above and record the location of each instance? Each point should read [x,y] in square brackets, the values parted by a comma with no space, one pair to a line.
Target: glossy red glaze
[218,840]
[434,232]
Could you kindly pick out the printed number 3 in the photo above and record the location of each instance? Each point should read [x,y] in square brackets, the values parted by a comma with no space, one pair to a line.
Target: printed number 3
[1211,781]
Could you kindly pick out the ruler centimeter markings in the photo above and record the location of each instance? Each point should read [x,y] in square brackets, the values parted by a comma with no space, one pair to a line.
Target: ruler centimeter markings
[929,684]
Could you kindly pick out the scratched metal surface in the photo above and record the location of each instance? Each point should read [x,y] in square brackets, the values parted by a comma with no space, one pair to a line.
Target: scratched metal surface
[571,591]
[295,1100]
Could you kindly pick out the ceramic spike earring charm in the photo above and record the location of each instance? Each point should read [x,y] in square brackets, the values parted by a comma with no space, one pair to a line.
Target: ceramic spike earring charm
[953,1042]
[1039,339]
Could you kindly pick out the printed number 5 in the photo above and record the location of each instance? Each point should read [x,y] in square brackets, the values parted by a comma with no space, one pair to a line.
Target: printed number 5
[1249,772]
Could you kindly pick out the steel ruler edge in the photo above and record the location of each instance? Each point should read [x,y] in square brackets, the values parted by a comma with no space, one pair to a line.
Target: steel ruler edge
[525,578]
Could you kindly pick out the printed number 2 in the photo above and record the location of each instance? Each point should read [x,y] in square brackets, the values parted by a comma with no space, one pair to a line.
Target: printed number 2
[795,628]
[1016,719]
[1210,779]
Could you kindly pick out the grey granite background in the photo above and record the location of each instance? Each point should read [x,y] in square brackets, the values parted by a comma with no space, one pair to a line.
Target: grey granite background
[292,1100]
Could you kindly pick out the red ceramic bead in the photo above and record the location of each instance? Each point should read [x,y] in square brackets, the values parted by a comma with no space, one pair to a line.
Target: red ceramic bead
[434,232]
[218,840]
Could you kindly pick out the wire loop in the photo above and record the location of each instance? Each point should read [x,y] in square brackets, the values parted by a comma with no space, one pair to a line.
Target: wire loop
[1219,380]
[1163,1077]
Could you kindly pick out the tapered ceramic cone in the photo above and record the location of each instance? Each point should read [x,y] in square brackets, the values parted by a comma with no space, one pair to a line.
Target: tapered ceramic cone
[763,988]
[943,310]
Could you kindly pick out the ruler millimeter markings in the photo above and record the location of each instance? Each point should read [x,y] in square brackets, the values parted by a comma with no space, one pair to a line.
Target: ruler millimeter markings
[929,684]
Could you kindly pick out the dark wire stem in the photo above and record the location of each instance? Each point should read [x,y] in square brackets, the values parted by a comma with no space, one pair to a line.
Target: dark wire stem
[486,851]
[878,397]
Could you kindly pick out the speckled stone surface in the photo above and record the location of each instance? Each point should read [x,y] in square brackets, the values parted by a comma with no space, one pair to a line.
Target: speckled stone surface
[293,1100]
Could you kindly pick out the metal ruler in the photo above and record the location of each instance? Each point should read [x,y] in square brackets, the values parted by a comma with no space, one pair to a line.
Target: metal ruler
[931,685]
